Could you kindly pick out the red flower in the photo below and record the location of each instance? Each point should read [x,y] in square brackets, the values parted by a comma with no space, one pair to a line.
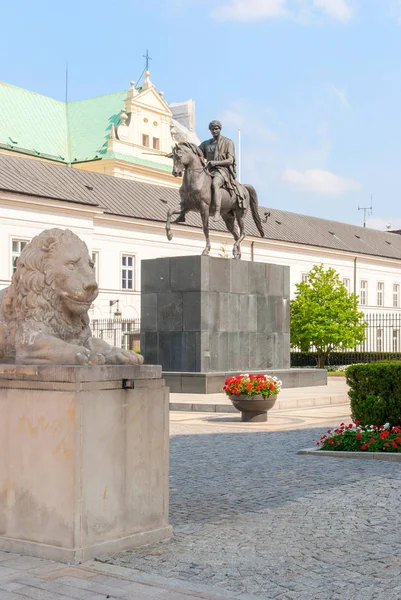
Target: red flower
[350,426]
[331,441]
[372,440]
[394,445]
[357,422]
[364,446]
[359,435]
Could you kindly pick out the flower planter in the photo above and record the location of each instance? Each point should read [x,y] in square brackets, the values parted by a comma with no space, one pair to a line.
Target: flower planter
[253,408]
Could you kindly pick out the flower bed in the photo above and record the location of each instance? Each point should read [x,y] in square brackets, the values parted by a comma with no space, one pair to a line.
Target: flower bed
[358,438]
[252,385]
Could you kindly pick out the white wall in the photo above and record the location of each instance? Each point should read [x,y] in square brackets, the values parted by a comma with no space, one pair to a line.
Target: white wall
[24,217]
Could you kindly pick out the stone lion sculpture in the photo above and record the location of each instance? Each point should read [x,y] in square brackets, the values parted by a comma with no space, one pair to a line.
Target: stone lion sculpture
[44,312]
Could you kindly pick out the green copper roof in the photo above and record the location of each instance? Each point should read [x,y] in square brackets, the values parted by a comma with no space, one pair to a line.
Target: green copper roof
[64,132]
[32,123]
[89,124]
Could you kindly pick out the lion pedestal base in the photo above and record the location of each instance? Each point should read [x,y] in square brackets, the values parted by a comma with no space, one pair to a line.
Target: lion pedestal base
[84,460]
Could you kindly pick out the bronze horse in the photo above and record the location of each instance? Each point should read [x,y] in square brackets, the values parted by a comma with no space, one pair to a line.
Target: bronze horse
[196,195]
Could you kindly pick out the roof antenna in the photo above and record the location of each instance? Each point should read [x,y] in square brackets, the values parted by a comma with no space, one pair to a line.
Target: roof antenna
[367,210]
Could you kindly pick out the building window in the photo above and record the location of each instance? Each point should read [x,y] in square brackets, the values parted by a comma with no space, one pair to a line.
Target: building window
[396,295]
[363,296]
[17,248]
[127,272]
[380,293]
[346,282]
[156,144]
[304,276]
[396,340]
[379,340]
[145,140]
[95,260]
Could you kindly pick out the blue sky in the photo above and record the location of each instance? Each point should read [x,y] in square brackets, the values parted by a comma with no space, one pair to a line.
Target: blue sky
[315,85]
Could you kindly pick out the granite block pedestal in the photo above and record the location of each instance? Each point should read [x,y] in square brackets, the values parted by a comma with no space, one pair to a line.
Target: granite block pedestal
[206,318]
[84,460]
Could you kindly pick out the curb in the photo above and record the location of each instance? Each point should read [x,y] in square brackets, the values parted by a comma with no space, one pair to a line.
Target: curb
[280,405]
[391,456]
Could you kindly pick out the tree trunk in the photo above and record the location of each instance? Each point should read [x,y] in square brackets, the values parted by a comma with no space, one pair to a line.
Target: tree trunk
[321,359]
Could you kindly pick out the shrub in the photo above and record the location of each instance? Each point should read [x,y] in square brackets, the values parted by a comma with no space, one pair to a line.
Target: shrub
[375,392]
[357,438]
[309,359]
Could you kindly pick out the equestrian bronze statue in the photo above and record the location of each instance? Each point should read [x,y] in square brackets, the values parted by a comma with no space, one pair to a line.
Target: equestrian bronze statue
[210,187]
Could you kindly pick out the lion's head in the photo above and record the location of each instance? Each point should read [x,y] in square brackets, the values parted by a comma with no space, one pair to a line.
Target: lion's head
[54,283]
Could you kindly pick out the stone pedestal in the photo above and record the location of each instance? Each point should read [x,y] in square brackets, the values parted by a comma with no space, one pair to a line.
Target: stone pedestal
[204,318]
[84,460]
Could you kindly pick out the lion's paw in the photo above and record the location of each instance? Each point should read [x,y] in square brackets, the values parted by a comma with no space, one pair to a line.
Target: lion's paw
[81,357]
[123,357]
[86,357]
[96,359]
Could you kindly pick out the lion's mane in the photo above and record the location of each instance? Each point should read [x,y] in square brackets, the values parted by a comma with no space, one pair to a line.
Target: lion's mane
[32,294]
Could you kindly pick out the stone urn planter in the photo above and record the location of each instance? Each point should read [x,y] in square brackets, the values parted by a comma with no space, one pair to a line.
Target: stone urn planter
[253,395]
[253,408]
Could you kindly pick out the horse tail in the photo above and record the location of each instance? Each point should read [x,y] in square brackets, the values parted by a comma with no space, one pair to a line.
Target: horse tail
[253,197]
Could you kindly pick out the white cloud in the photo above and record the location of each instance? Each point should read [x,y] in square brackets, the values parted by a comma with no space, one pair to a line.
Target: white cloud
[338,9]
[324,182]
[341,95]
[255,10]
[250,10]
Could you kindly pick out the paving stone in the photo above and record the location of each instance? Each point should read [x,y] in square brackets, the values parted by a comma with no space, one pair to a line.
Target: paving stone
[5,571]
[253,517]
[23,563]
[34,593]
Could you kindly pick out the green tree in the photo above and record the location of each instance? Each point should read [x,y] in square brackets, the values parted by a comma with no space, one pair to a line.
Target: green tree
[324,315]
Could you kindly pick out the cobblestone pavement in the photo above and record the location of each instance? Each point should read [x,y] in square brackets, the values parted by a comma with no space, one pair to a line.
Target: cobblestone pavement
[253,517]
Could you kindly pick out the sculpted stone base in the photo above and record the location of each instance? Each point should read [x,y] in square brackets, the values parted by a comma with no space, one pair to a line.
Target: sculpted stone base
[84,468]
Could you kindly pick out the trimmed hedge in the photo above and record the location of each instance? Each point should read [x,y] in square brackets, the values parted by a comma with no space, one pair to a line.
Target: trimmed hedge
[309,359]
[375,392]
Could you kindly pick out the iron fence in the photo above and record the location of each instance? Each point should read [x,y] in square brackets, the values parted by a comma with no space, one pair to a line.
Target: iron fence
[382,342]
[123,333]
[382,333]
[383,339]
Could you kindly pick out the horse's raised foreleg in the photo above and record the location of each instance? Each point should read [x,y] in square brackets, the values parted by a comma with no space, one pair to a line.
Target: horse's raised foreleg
[170,213]
[204,211]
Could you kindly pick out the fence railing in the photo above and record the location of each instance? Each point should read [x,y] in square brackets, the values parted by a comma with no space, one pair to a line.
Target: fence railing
[382,341]
[382,333]
[123,333]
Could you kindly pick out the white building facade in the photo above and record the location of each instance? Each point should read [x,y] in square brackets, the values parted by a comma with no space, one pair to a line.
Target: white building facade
[119,244]
[116,198]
